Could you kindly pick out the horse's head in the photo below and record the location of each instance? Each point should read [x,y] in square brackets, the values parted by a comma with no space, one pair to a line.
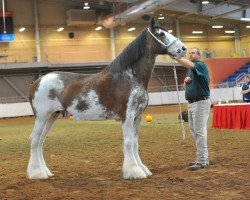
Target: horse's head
[168,43]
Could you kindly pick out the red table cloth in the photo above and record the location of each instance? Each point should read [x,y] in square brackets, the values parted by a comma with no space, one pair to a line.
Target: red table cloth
[231,116]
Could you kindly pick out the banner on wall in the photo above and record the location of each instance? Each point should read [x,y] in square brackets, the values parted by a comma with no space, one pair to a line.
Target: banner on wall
[6,27]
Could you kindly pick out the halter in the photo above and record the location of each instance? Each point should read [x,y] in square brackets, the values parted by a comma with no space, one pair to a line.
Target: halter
[165,46]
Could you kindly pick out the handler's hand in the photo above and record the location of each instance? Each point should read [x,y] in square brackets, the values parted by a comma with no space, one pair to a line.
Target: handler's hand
[187,80]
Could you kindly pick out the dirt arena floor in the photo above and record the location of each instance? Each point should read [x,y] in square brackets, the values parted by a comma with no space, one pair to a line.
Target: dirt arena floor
[86,159]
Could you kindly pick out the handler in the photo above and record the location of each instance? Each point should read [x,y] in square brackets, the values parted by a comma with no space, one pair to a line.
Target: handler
[198,96]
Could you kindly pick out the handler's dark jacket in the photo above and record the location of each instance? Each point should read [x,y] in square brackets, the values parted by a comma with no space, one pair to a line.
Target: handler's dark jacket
[199,85]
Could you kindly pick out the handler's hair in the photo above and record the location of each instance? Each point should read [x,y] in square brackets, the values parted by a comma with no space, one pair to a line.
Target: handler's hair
[198,51]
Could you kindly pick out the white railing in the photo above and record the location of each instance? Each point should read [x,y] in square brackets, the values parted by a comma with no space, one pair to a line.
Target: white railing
[16,99]
[239,78]
[155,98]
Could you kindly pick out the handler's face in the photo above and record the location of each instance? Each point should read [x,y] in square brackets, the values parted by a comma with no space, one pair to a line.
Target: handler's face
[193,56]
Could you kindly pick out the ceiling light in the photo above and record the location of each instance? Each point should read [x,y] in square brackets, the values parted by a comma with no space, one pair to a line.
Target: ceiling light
[229,31]
[98,28]
[170,31]
[86,6]
[205,2]
[197,32]
[60,29]
[217,26]
[131,29]
[247,26]
[22,29]
[245,19]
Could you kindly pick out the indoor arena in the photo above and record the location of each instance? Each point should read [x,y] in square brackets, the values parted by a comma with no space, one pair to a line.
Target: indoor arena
[124,99]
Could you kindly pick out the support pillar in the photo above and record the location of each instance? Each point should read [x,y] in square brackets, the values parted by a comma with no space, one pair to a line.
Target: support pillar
[177,28]
[112,43]
[37,34]
[237,41]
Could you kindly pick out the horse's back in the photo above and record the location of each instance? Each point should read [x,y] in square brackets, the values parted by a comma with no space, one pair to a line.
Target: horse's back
[54,80]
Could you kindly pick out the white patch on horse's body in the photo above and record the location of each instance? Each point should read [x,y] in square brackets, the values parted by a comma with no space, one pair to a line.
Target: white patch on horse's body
[129,73]
[42,102]
[138,100]
[94,110]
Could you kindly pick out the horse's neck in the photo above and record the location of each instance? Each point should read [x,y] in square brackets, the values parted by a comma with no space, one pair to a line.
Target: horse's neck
[143,69]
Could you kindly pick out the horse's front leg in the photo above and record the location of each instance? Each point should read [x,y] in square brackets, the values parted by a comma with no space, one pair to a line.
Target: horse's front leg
[136,146]
[131,169]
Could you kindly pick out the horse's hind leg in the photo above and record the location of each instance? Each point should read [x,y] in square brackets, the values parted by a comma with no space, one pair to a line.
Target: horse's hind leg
[136,154]
[131,169]
[36,168]
[45,132]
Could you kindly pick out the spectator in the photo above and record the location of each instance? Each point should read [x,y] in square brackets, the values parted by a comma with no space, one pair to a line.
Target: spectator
[207,54]
[245,89]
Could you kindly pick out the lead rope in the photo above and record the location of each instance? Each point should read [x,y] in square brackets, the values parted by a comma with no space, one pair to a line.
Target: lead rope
[175,77]
[177,89]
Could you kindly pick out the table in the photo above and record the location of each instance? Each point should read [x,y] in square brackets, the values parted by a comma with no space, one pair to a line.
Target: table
[231,116]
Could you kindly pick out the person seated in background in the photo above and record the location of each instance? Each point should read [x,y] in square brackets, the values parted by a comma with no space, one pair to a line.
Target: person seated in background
[245,89]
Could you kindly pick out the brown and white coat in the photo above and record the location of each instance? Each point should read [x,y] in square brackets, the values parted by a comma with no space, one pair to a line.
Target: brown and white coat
[118,92]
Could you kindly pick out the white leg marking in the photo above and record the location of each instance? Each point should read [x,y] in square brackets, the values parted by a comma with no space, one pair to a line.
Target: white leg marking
[36,168]
[135,149]
[131,169]
[45,132]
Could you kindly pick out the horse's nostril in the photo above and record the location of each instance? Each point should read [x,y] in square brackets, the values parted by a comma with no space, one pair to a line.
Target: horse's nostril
[184,48]
[178,51]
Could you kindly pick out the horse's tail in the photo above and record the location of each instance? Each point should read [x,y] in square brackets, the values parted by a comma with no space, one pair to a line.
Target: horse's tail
[32,89]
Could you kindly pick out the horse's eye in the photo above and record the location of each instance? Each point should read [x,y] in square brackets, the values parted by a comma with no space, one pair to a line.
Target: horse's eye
[162,34]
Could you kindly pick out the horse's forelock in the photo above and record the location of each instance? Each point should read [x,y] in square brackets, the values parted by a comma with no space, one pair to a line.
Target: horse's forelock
[160,27]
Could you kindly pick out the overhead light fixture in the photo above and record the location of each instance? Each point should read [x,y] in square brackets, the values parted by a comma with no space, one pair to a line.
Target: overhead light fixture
[98,28]
[205,2]
[60,29]
[197,32]
[247,26]
[217,26]
[131,29]
[229,31]
[86,6]
[245,19]
[22,29]
[170,31]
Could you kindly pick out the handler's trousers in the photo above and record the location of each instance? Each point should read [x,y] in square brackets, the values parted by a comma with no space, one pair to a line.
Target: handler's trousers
[198,113]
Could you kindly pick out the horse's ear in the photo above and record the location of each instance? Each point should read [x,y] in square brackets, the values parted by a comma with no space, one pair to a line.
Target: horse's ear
[152,24]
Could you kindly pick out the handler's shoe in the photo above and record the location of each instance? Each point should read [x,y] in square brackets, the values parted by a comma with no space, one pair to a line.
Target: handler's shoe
[197,166]
[191,163]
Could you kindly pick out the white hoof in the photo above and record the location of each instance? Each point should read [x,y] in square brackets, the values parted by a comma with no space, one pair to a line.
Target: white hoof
[146,170]
[134,172]
[49,172]
[37,174]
